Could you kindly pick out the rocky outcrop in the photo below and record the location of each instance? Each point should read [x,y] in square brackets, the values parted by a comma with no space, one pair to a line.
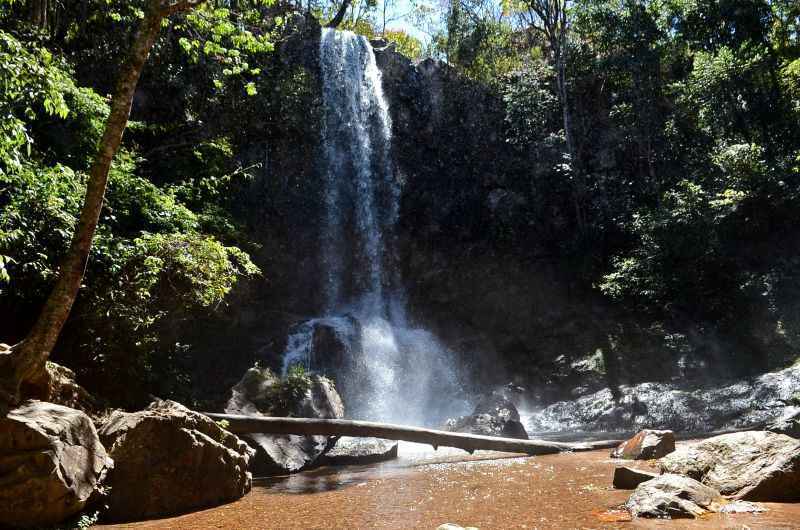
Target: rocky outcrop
[788,424]
[673,496]
[169,460]
[626,478]
[57,384]
[730,406]
[752,465]
[646,445]
[261,393]
[494,415]
[348,450]
[51,464]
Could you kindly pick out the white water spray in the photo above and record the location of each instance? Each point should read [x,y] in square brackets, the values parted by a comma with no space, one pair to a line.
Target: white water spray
[384,370]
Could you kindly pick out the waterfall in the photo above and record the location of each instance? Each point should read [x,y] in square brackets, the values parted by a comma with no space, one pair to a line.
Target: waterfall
[356,140]
[384,369]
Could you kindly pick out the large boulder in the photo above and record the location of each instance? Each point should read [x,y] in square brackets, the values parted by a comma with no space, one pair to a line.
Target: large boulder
[261,393]
[646,445]
[170,460]
[673,496]
[51,464]
[751,465]
[494,415]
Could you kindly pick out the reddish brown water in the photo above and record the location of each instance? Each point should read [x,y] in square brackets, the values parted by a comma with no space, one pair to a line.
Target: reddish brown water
[423,491]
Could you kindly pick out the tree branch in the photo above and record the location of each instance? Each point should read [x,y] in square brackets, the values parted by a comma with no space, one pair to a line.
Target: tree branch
[339,17]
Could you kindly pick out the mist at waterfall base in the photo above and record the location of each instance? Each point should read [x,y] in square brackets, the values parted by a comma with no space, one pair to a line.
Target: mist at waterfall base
[384,368]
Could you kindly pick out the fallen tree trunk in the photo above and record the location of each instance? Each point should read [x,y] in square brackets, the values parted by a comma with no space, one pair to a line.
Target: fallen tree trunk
[368,429]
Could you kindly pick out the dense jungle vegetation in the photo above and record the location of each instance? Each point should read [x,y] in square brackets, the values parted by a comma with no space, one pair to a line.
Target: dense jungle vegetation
[665,133]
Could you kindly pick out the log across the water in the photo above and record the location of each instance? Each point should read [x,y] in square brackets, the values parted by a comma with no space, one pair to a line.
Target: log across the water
[368,429]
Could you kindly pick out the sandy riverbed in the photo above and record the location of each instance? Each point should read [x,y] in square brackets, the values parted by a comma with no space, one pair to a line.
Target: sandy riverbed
[423,489]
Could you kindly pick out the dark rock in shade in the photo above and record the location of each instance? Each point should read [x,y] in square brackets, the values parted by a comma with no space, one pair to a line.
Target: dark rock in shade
[349,450]
[789,424]
[514,429]
[56,384]
[751,465]
[494,415]
[626,478]
[51,464]
[170,460]
[673,496]
[488,425]
[500,403]
[254,395]
[646,445]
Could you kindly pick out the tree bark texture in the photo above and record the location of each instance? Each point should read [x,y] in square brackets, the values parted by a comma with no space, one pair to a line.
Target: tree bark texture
[27,359]
[469,442]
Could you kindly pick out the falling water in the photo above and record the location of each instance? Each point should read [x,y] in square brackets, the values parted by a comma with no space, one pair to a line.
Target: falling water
[384,369]
[356,140]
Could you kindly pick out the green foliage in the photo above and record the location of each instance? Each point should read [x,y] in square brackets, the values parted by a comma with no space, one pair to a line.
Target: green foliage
[406,44]
[183,269]
[278,397]
[31,80]
[224,36]
[531,104]
[295,385]
[38,214]
[484,49]
[680,200]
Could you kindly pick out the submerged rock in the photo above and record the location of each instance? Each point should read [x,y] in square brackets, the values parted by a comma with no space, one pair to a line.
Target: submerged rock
[673,496]
[170,460]
[261,393]
[51,464]
[626,478]
[752,465]
[742,507]
[495,415]
[646,445]
[349,450]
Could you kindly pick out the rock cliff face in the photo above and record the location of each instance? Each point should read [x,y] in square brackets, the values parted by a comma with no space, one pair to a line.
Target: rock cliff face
[483,267]
[495,303]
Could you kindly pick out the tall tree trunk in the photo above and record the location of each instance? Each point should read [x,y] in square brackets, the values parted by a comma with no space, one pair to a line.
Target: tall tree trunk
[559,45]
[38,13]
[339,17]
[27,360]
